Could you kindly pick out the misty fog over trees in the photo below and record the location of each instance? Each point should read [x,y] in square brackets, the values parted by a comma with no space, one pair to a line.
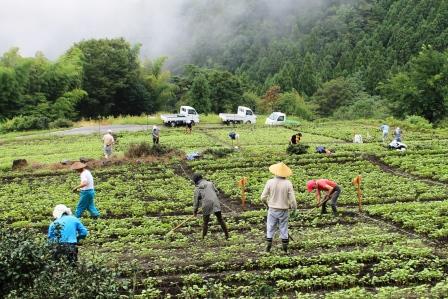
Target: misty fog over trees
[331,58]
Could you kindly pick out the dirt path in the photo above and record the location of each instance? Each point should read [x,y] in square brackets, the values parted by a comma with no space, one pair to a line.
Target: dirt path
[396,171]
[211,136]
[102,129]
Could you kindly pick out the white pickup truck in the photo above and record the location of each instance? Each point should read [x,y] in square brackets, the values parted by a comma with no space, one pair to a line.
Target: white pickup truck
[279,118]
[244,116]
[186,114]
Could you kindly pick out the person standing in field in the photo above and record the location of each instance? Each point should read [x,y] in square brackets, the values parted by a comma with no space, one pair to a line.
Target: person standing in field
[189,126]
[64,233]
[155,135]
[87,193]
[332,193]
[279,195]
[397,134]
[206,196]
[108,142]
[385,129]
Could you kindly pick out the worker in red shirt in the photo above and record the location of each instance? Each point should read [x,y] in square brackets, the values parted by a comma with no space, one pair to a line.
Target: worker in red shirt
[331,189]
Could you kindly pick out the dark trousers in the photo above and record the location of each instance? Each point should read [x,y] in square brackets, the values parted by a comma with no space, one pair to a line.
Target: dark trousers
[206,219]
[66,251]
[334,198]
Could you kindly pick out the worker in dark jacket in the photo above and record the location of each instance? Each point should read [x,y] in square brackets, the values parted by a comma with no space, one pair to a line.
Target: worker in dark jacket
[295,139]
[65,233]
[206,196]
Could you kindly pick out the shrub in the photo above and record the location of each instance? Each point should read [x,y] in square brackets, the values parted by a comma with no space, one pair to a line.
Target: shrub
[418,122]
[61,123]
[27,270]
[23,123]
[144,149]
[297,149]
[218,152]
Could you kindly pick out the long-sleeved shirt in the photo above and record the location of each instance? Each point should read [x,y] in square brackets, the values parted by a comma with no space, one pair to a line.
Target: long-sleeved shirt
[279,194]
[108,139]
[206,195]
[67,229]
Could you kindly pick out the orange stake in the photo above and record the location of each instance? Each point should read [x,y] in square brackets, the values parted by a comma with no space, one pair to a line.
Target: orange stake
[357,183]
[242,184]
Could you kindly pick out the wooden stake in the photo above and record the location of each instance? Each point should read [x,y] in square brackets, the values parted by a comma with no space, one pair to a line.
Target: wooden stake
[242,184]
[182,223]
[357,183]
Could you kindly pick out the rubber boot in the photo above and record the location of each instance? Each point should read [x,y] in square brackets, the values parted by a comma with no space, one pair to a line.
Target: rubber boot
[224,228]
[324,209]
[268,244]
[285,245]
[335,211]
[223,224]
[206,219]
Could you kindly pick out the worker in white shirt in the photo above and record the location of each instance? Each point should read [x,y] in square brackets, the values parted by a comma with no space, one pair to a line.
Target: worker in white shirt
[87,194]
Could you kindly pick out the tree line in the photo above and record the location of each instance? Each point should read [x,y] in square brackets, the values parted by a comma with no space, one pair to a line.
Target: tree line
[342,58]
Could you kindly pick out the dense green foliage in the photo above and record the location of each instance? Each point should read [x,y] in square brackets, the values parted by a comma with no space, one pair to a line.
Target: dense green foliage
[329,58]
[399,254]
[27,270]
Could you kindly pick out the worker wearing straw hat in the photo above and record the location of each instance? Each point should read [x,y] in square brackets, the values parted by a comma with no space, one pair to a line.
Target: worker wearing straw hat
[65,232]
[279,196]
[87,194]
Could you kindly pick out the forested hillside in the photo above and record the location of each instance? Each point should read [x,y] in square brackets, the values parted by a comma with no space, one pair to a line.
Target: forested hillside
[331,58]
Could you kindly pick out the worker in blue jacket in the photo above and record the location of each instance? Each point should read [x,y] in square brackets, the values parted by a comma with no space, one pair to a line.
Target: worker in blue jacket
[65,233]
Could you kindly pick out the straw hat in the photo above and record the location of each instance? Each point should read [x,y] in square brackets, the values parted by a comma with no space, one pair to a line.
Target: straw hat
[280,169]
[78,165]
[59,210]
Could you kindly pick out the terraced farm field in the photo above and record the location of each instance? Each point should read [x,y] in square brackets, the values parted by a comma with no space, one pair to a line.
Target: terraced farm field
[396,248]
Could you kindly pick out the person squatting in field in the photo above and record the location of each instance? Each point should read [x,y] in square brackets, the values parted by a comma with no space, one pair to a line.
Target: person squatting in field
[87,194]
[206,196]
[279,195]
[295,139]
[332,191]
[64,233]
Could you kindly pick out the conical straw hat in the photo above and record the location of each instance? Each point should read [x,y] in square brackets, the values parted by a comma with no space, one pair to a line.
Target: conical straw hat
[78,165]
[280,169]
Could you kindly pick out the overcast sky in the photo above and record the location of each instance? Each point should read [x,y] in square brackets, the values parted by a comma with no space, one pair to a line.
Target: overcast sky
[52,26]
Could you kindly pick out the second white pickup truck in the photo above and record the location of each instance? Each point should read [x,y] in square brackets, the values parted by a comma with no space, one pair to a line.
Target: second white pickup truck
[244,116]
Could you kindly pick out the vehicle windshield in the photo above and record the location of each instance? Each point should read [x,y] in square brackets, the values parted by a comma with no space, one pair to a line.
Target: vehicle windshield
[191,111]
[273,116]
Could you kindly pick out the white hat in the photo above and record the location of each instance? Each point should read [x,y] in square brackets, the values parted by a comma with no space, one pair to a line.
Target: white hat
[59,210]
[109,131]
